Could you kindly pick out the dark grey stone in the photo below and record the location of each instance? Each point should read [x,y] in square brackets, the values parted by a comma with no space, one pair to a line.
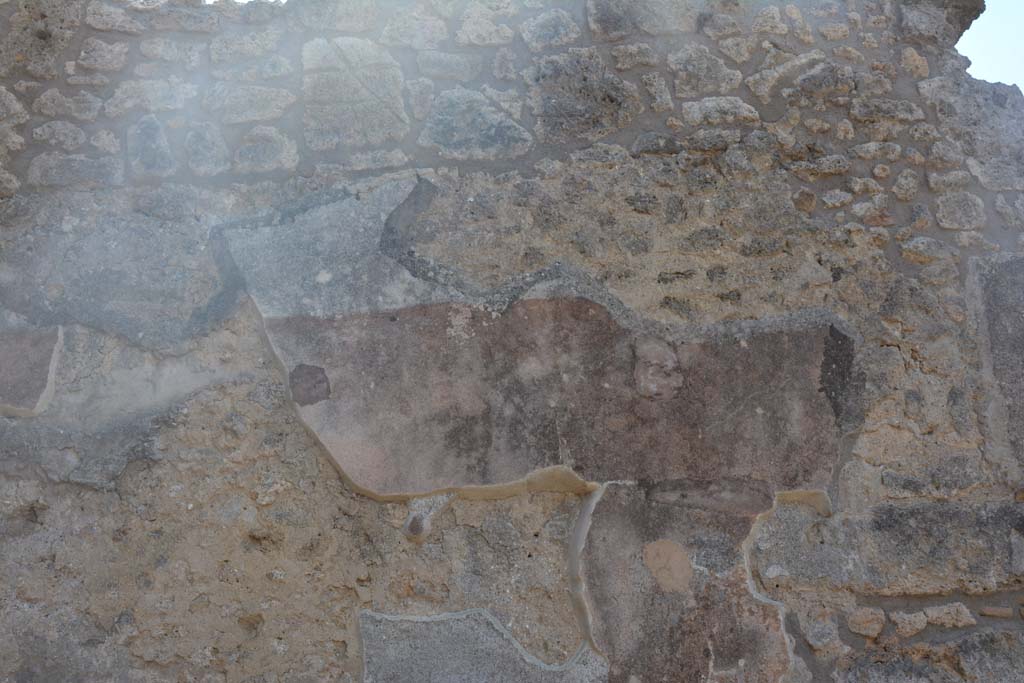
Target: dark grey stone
[464,125]
[149,153]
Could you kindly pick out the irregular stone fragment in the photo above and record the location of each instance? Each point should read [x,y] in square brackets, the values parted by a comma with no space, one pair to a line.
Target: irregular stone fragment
[914,63]
[67,136]
[574,95]
[53,169]
[414,29]
[470,645]
[634,55]
[236,47]
[698,72]
[553,28]
[205,150]
[961,211]
[265,149]
[719,111]
[187,19]
[149,96]
[657,88]
[247,103]
[82,106]
[874,110]
[105,17]
[907,184]
[764,82]
[12,113]
[185,54]
[866,621]
[360,102]
[100,56]
[739,49]
[449,65]
[617,19]
[909,624]
[926,22]
[480,27]
[769,20]
[953,615]
[149,153]
[105,141]
[28,362]
[942,183]
[464,125]
[720,26]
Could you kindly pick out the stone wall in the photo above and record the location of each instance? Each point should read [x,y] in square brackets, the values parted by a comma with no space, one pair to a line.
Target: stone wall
[508,340]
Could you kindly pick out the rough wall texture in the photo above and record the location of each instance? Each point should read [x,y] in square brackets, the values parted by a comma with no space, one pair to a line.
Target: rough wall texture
[508,340]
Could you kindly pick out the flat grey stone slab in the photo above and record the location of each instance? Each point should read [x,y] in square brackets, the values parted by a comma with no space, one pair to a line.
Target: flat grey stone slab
[28,360]
[1002,299]
[325,259]
[129,264]
[458,648]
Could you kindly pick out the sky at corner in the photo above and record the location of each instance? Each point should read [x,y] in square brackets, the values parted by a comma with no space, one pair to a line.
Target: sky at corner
[995,43]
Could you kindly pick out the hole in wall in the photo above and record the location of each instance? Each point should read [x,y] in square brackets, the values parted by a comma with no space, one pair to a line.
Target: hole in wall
[992,43]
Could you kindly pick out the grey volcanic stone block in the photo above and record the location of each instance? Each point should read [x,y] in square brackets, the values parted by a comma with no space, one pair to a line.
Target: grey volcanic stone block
[1002,299]
[323,259]
[464,125]
[461,646]
[575,95]
[90,258]
[28,360]
[149,153]
[358,101]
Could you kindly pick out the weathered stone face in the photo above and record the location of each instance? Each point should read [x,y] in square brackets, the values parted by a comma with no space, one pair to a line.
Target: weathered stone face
[616,341]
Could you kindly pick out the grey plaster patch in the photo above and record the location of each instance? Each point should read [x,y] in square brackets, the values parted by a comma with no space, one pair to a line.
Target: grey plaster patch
[460,646]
